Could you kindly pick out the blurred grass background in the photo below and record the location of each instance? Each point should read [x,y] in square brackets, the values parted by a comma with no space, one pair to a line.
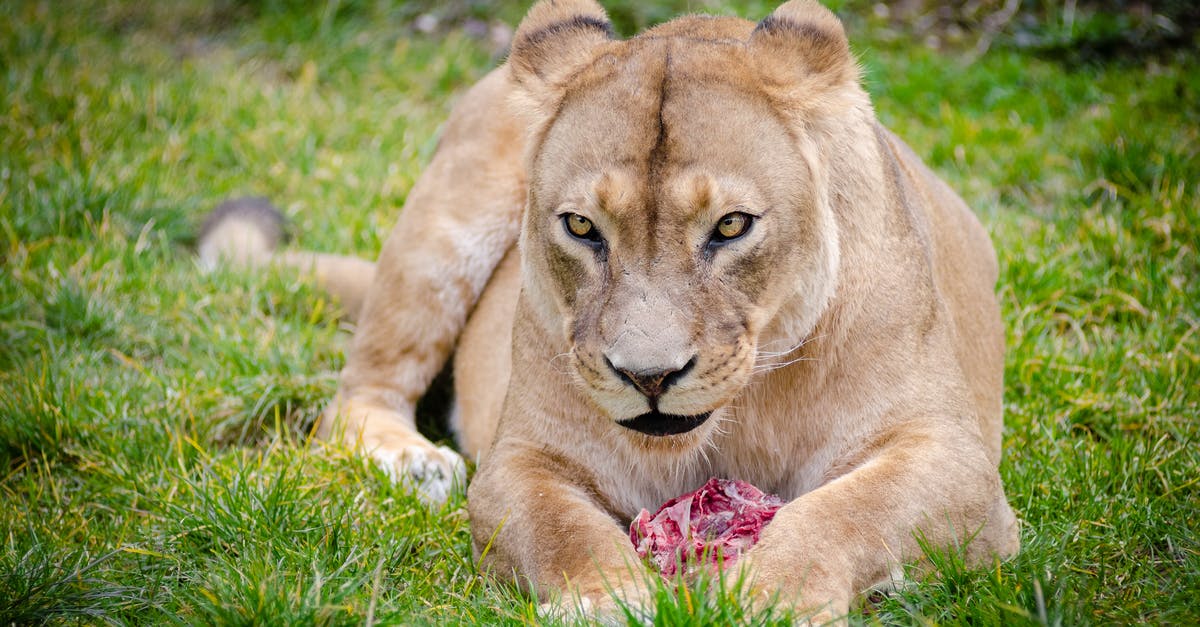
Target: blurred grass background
[154,456]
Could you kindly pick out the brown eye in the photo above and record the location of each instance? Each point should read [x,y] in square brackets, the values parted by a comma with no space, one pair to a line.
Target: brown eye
[732,226]
[580,227]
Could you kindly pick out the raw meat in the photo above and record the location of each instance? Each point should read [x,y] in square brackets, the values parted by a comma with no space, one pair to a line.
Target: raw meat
[719,521]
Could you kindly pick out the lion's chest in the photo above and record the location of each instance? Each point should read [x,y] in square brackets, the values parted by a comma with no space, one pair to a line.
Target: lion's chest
[783,454]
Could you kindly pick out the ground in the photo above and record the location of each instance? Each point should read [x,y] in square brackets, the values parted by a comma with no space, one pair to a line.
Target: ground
[155,462]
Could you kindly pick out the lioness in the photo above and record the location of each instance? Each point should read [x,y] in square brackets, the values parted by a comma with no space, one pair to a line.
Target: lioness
[693,253]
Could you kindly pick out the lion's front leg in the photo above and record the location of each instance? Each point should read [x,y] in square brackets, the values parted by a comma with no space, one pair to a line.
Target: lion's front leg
[391,440]
[930,481]
[537,517]
[459,220]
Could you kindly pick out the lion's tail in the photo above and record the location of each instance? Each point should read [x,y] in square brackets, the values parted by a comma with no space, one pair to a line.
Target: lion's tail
[247,233]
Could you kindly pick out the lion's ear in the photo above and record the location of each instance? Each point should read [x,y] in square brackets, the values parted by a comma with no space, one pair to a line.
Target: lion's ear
[555,39]
[802,42]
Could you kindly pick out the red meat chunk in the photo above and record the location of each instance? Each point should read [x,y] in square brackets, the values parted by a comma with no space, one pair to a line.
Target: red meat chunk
[719,521]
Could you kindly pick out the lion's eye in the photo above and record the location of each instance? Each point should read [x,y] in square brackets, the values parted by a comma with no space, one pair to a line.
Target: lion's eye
[580,227]
[732,226]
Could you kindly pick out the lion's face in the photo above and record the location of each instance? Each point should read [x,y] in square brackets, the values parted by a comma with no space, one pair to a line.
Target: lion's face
[675,224]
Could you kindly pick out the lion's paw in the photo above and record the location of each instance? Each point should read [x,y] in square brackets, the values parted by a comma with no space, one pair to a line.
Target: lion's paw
[604,607]
[600,611]
[433,471]
[565,610]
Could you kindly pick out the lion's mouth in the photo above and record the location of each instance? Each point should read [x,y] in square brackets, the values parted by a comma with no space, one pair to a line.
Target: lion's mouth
[659,424]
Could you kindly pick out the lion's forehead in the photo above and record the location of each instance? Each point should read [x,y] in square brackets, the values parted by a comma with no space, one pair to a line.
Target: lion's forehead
[666,128]
[627,89]
[710,28]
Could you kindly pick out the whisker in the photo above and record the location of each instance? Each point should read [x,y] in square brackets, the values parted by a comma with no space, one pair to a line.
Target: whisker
[767,356]
[559,356]
[776,341]
[794,347]
[710,443]
[769,367]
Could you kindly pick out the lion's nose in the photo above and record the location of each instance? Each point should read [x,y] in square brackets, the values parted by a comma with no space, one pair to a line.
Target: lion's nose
[652,383]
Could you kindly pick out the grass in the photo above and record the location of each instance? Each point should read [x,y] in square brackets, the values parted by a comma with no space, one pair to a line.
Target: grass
[155,462]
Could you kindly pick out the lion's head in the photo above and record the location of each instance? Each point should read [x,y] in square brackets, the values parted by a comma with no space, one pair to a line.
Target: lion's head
[678,225]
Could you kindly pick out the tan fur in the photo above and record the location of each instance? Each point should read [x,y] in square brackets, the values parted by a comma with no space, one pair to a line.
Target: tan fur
[849,344]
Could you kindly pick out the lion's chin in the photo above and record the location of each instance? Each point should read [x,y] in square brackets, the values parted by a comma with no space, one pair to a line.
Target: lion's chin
[658,424]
